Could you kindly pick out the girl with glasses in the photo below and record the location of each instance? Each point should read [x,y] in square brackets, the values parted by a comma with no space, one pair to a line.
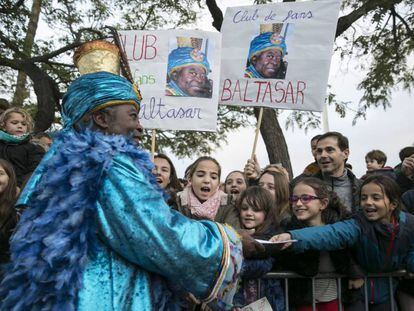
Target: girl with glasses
[381,236]
[313,205]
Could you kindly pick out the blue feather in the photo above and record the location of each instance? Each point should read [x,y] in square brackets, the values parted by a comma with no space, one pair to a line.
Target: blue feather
[57,232]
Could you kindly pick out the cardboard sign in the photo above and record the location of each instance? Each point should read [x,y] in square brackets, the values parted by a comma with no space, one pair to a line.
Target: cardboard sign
[178,74]
[278,55]
[259,305]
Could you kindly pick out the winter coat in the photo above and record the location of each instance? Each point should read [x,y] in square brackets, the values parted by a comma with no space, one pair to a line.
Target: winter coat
[307,264]
[408,200]
[377,247]
[385,171]
[356,184]
[226,213]
[24,157]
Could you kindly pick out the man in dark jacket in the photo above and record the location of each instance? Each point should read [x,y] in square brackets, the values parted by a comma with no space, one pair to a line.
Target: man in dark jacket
[332,152]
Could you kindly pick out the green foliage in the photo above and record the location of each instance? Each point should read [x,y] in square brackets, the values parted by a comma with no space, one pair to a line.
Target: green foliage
[185,143]
[383,42]
[384,46]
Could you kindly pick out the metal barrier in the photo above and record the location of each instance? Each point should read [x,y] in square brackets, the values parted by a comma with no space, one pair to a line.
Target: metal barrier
[291,275]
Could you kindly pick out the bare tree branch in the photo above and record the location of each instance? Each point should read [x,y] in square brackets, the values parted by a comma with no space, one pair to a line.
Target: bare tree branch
[12,46]
[216,13]
[150,12]
[346,21]
[410,32]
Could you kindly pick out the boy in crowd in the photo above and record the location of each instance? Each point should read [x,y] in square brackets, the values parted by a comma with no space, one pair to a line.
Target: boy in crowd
[375,161]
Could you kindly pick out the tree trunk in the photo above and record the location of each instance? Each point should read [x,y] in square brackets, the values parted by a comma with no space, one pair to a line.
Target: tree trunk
[47,92]
[270,129]
[274,139]
[21,92]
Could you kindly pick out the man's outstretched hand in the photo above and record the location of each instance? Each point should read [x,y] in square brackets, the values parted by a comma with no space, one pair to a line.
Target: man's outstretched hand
[251,248]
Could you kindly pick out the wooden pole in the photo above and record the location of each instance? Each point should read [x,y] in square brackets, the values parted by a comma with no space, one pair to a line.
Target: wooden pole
[259,123]
[153,138]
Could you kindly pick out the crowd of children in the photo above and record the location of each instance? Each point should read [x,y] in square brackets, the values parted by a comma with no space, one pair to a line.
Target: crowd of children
[341,224]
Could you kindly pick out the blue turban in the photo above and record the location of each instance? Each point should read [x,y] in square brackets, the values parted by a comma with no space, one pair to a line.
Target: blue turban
[95,91]
[185,56]
[267,41]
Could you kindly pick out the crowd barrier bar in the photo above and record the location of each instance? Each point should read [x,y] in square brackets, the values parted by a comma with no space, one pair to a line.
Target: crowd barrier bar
[286,275]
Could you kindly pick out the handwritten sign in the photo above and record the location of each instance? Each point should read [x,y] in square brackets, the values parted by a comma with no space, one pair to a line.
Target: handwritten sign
[178,75]
[259,305]
[278,55]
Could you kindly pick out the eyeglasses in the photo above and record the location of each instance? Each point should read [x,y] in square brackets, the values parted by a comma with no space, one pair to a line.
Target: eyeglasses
[304,198]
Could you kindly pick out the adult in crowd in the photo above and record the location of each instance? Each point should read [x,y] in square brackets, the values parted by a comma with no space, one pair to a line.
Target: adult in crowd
[313,167]
[96,233]
[42,139]
[405,170]
[188,70]
[15,146]
[332,152]
[166,177]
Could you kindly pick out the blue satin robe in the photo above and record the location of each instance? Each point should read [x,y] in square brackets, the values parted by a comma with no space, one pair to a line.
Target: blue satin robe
[140,234]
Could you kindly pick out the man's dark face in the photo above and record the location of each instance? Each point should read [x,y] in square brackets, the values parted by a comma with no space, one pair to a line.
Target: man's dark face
[192,80]
[124,120]
[268,63]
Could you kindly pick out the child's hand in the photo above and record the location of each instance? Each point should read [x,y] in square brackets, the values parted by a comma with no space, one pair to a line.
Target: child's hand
[355,283]
[252,168]
[281,238]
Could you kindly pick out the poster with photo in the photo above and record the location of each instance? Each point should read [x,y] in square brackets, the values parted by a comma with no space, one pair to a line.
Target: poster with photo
[278,55]
[177,72]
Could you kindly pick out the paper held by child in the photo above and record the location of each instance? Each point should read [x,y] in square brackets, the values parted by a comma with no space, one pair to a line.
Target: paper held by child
[272,247]
[259,305]
[279,242]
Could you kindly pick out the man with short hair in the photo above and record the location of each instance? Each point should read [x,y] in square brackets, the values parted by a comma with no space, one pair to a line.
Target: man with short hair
[97,233]
[332,152]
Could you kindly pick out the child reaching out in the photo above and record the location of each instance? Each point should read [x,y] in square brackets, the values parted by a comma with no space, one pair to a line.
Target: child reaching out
[314,205]
[15,147]
[257,216]
[381,236]
[203,199]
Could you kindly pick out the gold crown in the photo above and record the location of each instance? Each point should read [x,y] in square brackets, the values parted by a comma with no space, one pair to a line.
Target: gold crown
[97,56]
[194,43]
[275,28]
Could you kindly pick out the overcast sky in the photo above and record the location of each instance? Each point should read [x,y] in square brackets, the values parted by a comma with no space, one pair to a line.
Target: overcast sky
[388,130]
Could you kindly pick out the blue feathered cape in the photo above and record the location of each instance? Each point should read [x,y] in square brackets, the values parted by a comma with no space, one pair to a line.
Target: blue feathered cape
[57,232]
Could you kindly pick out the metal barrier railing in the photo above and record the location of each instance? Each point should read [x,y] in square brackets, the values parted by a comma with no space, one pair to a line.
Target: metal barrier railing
[286,275]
